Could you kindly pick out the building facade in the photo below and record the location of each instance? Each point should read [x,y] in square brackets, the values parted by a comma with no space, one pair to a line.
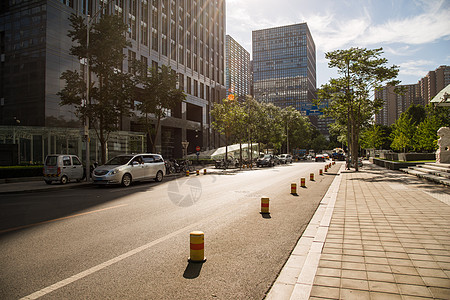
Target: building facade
[187,35]
[237,69]
[421,93]
[284,66]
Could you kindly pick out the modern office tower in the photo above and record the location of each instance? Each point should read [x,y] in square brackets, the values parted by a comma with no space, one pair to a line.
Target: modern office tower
[394,104]
[237,69]
[188,35]
[284,66]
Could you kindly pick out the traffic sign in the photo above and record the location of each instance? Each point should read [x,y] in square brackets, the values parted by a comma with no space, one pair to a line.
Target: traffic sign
[197,148]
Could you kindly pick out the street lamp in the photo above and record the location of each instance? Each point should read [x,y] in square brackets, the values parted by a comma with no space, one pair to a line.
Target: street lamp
[86,124]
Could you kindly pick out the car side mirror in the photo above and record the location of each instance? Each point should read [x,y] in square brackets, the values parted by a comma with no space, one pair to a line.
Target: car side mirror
[135,163]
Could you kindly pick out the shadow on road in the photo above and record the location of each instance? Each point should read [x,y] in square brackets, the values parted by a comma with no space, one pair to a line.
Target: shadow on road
[192,270]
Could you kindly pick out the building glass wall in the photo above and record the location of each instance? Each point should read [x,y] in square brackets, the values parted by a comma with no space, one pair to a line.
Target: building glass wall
[284,66]
[188,35]
[237,69]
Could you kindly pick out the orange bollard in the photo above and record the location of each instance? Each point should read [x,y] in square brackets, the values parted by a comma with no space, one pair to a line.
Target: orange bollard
[204,172]
[187,172]
[303,182]
[293,188]
[198,172]
[264,205]
[197,247]
[320,172]
[311,176]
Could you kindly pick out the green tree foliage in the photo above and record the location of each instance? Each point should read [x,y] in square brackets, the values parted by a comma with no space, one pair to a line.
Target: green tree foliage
[110,93]
[417,113]
[361,72]
[425,137]
[158,94]
[403,131]
[372,138]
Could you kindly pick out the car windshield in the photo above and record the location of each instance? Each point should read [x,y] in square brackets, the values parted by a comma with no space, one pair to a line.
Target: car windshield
[119,160]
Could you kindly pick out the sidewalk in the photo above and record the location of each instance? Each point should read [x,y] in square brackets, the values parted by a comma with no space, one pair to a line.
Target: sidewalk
[377,234]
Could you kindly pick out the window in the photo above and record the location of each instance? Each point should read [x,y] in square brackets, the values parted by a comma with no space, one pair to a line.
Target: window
[76,161]
[66,161]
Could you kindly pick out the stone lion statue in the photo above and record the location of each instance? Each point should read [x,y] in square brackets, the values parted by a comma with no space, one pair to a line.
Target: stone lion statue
[443,152]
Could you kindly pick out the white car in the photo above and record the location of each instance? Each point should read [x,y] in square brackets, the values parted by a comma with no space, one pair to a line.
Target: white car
[286,158]
[124,169]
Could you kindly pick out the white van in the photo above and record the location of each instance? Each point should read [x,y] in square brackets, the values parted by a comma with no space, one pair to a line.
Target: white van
[62,168]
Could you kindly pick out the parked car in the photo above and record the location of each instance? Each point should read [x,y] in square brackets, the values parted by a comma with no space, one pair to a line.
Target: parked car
[62,168]
[124,169]
[286,158]
[267,160]
[326,156]
[320,157]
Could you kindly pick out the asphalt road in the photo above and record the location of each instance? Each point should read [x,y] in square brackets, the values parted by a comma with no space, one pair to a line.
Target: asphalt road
[133,243]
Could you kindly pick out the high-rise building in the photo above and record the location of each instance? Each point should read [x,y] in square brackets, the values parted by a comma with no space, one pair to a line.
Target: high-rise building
[434,82]
[421,93]
[188,35]
[284,66]
[237,69]
[394,104]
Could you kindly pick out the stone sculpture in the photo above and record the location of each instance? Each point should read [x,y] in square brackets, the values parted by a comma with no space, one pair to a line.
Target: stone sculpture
[443,152]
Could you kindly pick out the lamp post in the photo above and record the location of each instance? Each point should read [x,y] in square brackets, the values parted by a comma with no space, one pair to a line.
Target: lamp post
[86,124]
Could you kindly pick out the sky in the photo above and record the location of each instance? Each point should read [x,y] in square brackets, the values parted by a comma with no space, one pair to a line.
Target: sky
[414,34]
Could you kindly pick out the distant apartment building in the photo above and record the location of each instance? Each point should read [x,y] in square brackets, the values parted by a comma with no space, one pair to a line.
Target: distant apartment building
[188,35]
[394,104]
[237,69]
[433,83]
[284,66]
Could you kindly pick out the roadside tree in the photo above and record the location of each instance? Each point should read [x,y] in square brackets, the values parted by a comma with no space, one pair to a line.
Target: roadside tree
[110,91]
[361,71]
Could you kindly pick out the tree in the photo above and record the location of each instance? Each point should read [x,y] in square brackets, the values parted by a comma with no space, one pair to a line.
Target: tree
[372,138]
[111,93]
[157,95]
[223,115]
[297,128]
[417,113]
[425,138]
[402,133]
[361,72]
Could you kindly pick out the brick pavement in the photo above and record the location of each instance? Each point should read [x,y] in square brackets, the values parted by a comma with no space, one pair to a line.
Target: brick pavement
[377,234]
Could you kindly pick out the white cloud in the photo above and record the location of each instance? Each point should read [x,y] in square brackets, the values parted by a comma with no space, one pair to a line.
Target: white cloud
[417,68]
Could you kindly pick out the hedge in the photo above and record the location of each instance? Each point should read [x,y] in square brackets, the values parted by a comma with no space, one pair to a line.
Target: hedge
[20,171]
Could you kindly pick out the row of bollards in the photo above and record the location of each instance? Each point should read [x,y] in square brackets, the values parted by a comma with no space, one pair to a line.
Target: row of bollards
[197,172]
[197,238]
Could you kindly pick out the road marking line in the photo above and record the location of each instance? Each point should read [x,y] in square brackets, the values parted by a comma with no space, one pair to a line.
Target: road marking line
[101,266]
[59,219]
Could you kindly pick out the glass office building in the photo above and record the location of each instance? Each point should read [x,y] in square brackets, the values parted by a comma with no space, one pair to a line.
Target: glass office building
[188,35]
[284,66]
[237,69]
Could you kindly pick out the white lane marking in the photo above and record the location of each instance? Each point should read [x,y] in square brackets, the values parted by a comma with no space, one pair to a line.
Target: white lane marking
[101,266]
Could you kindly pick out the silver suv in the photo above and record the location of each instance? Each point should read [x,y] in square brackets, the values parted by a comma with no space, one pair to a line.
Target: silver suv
[124,169]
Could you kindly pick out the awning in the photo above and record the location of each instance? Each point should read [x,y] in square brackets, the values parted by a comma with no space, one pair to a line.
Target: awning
[442,98]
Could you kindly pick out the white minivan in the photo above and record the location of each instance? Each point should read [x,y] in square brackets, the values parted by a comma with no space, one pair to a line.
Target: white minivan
[62,168]
[124,169]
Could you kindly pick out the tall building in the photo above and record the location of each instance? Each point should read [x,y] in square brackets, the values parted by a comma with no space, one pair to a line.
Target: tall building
[284,66]
[421,93]
[394,104]
[434,82]
[237,69]
[188,35]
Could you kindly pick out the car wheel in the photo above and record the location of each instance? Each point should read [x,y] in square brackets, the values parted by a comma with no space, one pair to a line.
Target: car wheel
[159,176]
[126,180]
[64,179]
[48,181]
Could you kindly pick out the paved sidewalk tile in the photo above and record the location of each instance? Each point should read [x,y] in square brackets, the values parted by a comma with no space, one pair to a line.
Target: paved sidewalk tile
[388,239]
